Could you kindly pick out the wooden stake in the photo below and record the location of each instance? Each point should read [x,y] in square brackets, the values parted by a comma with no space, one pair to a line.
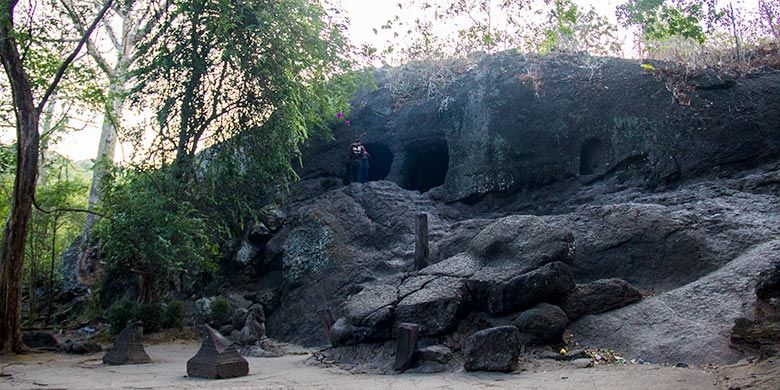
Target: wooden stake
[421,251]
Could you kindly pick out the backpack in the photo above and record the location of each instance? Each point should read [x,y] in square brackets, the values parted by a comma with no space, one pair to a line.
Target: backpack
[355,151]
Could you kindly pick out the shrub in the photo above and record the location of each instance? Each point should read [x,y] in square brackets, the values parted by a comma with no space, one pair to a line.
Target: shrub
[151,314]
[119,314]
[221,310]
[174,315]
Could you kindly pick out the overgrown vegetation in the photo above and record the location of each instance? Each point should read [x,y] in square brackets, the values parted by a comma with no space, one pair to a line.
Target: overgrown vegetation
[221,310]
[236,87]
[250,80]
[153,316]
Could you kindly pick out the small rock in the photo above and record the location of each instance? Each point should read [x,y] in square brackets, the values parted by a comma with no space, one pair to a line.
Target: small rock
[226,330]
[575,354]
[435,353]
[82,348]
[548,355]
[38,339]
[87,331]
[238,319]
[582,363]
[260,351]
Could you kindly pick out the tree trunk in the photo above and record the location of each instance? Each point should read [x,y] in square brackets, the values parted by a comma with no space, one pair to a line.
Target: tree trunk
[51,270]
[27,144]
[106,149]
[735,32]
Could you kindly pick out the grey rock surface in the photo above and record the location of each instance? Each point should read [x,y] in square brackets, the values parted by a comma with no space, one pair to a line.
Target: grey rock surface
[494,349]
[599,296]
[688,324]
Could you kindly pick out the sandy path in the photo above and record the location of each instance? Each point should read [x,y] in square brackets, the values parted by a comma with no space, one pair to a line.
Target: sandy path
[57,371]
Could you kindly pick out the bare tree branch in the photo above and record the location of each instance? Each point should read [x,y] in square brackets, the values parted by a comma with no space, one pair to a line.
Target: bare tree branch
[66,209]
[91,48]
[69,60]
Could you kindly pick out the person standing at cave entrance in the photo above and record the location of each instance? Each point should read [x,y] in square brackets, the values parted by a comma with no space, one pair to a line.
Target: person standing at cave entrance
[355,163]
[364,166]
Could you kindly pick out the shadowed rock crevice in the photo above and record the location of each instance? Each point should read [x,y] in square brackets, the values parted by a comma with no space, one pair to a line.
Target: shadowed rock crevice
[426,165]
[595,156]
[381,161]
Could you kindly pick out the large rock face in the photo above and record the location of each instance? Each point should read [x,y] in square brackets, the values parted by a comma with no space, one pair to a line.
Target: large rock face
[506,123]
[582,185]
[690,324]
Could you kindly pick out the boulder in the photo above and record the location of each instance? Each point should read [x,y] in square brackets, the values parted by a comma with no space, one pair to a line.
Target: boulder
[263,348]
[251,333]
[435,307]
[494,349]
[542,324]
[373,308]
[768,286]
[599,296]
[522,243]
[39,339]
[344,333]
[547,283]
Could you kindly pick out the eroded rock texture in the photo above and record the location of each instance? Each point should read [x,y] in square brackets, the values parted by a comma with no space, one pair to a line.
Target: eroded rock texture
[574,183]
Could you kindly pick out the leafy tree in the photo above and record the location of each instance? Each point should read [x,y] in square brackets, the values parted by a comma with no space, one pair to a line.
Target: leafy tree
[152,236]
[769,17]
[569,29]
[61,187]
[27,114]
[658,20]
[127,24]
[249,78]
[215,69]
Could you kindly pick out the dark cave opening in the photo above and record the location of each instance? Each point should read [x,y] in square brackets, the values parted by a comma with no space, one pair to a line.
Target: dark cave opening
[426,165]
[381,161]
[594,157]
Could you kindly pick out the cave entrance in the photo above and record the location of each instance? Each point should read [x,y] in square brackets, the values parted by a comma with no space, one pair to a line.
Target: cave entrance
[594,157]
[426,165]
[381,161]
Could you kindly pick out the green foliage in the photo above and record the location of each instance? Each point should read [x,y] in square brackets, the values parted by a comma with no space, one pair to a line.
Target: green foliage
[119,314]
[660,20]
[151,232]
[221,310]
[61,185]
[571,30]
[151,315]
[217,69]
[174,315]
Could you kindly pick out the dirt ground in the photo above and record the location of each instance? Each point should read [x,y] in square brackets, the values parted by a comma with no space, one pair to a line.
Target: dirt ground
[59,371]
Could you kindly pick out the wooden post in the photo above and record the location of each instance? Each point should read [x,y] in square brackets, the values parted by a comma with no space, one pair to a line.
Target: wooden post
[405,346]
[327,320]
[421,242]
